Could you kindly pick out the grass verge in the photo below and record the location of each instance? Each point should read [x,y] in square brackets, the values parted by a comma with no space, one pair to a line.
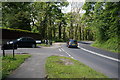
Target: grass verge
[9,64]
[64,67]
[44,45]
[110,45]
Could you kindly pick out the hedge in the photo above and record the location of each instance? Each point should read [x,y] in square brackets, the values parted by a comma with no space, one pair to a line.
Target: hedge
[16,33]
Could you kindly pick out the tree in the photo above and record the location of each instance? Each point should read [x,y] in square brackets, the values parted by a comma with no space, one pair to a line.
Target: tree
[48,15]
[103,18]
[16,15]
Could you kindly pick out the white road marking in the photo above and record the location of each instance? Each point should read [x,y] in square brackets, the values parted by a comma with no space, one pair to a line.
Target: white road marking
[72,57]
[60,50]
[100,54]
[63,49]
[67,53]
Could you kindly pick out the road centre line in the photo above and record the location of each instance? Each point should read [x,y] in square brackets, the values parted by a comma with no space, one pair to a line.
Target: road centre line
[98,54]
[67,53]
[63,49]
[60,50]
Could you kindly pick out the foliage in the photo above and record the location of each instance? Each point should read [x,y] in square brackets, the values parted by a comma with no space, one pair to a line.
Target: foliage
[64,67]
[16,15]
[45,18]
[49,18]
[9,64]
[16,30]
[103,17]
[100,21]
[60,40]
[0,14]
[110,45]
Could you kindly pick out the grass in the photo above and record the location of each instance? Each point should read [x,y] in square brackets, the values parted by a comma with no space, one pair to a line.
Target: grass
[43,45]
[110,45]
[64,67]
[9,64]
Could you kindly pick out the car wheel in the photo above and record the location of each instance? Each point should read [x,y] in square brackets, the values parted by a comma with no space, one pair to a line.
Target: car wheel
[68,46]
[33,45]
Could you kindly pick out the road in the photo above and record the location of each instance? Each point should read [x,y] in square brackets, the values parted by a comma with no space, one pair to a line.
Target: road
[101,64]
[105,65]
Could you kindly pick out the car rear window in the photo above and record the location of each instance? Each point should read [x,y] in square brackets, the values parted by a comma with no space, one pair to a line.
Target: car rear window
[73,41]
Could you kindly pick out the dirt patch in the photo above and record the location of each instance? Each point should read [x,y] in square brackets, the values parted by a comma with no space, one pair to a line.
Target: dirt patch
[66,61]
[60,62]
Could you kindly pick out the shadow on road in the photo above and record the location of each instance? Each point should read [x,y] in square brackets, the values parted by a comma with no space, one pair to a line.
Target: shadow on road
[30,47]
[85,42]
[75,48]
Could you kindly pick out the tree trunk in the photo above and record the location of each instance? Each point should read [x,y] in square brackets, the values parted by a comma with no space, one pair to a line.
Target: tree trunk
[80,33]
[76,35]
[59,30]
[54,31]
[71,30]
[64,38]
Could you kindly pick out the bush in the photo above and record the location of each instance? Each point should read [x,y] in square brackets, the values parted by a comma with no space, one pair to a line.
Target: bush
[59,40]
[111,45]
[10,34]
[17,30]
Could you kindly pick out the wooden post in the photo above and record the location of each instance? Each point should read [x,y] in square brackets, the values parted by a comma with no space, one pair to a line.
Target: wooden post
[13,52]
[3,53]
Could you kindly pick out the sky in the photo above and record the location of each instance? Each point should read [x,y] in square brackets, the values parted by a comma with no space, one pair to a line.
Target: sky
[68,8]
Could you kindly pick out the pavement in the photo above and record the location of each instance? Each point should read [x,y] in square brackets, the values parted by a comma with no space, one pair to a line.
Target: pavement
[33,67]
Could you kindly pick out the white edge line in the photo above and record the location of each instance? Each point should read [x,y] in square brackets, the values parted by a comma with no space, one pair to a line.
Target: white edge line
[100,54]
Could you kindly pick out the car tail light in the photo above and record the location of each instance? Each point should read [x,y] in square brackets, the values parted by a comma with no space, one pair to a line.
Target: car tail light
[69,42]
[76,42]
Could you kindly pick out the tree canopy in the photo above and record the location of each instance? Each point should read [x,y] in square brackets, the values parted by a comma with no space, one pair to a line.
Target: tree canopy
[99,22]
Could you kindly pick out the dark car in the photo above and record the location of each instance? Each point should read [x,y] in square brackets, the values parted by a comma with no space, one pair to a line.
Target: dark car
[72,43]
[24,42]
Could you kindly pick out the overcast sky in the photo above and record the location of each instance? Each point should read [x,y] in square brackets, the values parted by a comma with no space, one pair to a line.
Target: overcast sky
[68,8]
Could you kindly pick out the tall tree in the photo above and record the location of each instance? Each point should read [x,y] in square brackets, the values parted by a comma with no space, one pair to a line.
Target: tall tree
[16,15]
[103,18]
[49,14]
